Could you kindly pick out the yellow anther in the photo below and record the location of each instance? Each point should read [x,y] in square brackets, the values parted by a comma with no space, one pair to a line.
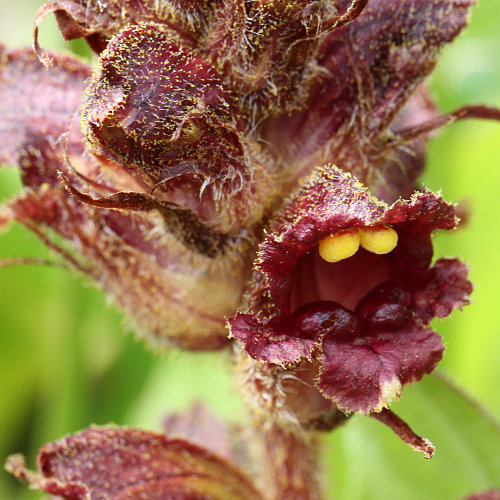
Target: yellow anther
[378,239]
[339,246]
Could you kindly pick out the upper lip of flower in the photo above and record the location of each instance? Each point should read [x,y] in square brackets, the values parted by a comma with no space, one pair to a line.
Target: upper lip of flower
[333,202]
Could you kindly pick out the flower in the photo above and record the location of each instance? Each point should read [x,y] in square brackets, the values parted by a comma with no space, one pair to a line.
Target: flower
[207,139]
[345,281]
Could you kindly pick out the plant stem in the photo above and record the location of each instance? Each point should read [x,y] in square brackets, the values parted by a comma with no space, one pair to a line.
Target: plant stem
[289,467]
[284,448]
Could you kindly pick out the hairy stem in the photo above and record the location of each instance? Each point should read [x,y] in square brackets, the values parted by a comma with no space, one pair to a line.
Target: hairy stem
[285,445]
[289,467]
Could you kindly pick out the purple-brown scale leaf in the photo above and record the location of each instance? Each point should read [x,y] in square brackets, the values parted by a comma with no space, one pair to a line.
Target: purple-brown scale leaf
[366,72]
[155,260]
[175,127]
[121,464]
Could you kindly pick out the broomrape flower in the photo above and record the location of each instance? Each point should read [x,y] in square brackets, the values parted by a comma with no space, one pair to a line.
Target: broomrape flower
[249,162]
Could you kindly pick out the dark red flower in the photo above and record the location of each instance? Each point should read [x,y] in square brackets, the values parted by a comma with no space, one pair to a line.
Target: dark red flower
[364,315]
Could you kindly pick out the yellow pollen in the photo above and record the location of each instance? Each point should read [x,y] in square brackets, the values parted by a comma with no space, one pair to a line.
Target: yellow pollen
[339,246]
[378,239]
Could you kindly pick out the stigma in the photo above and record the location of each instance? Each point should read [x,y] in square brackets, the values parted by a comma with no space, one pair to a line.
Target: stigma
[339,246]
[344,244]
[378,239]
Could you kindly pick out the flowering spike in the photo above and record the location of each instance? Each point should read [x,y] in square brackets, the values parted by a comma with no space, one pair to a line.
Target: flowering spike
[209,128]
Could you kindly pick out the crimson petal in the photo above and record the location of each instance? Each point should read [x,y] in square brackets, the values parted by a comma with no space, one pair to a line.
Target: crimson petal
[365,373]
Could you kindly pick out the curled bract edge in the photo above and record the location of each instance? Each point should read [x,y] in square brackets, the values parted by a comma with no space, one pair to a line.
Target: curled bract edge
[122,463]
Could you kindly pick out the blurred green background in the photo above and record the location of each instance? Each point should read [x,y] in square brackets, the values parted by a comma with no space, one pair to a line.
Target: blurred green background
[65,362]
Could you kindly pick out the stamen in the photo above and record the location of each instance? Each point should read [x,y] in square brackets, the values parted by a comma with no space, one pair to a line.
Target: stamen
[339,246]
[378,239]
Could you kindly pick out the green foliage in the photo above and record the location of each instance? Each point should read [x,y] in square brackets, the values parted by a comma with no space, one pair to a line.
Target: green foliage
[463,162]
[369,463]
